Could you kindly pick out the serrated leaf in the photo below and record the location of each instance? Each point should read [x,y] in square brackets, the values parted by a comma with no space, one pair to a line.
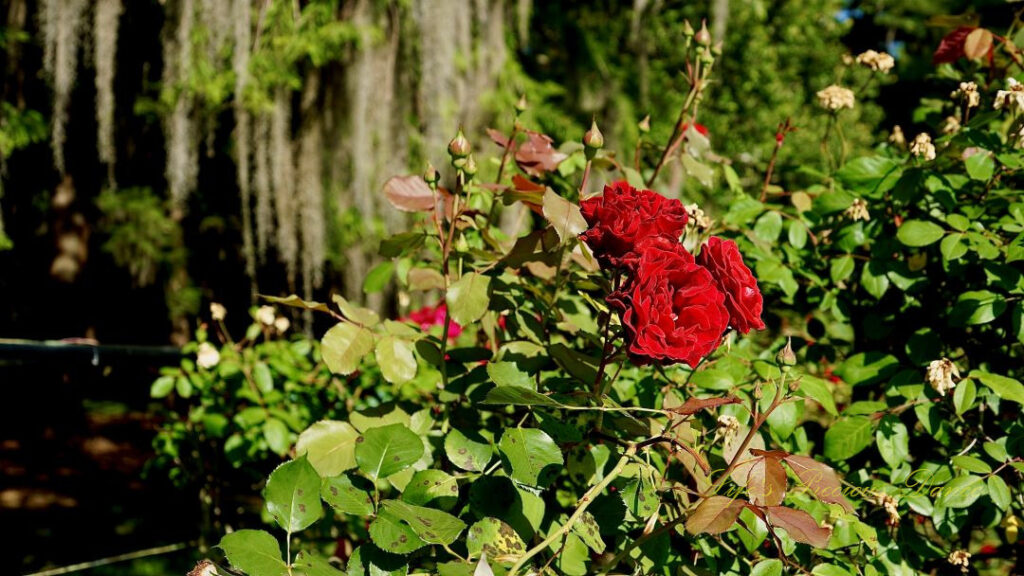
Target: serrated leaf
[589,532]
[715,515]
[344,346]
[1006,388]
[529,452]
[409,194]
[816,389]
[517,396]
[847,437]
[509,374]
[396,359]
[468,454]
[431,526]
[468,298]
[432,486]
[254,552]
[330,446]
[492,538]
[392,535]
[820,479]
[800,526]
[766,481]
[293,495]
[961,492]
[770,567]
[343,494]
[564,216]
[308,564]
[386,450]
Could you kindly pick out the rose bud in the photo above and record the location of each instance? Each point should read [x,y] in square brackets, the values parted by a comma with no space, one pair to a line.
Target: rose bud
[786,357]
[703,37]
[431,176]
[521,104]
[645,125]
[593,140]
[469,169]
[459,147]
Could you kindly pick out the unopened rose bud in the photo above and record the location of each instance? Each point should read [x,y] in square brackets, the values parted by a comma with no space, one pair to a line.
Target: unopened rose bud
[431,176]
[645,125]
[717,48]
[459,147]
[703,37]
[593,140]
[469,169]
[786,357]
[687,29]
[521,104]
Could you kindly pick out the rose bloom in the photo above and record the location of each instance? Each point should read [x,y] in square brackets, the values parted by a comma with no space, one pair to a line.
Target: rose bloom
[429,316]
[623,216]
[207,356]
[672,309]
[743,299]
[835,98]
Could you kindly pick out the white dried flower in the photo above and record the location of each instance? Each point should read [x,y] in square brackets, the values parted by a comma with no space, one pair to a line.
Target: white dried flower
[922,146]
[697,216]
[940,375]
[1013,98]
[968,91]
[728,428]
[897,137]
[951,125]
[891,507]
[877,61]
[835,98]
[217,311]
[207,357]
[961,558]
[282,324]
[265,315]
[858,210]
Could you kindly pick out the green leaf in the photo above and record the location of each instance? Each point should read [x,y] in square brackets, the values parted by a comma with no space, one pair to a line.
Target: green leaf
[874,279]
[277,435]
[293,495]
[697,169]
[964,396]
[162,386]
[468,298]
[378,278]
[308,564]
[961,492]
[841,268]
[867,368]
[770,567]
[893,441]
[254,552]
[797,234]
[563,215]
[509,374]
[183,386]
[468,454]
[872,175]
[396,359]
[980,165]
[829,570]
[977,307]
[847,437]
[817,389]
[400,244]
[370,560]
[342,494]
[1005,388]
[999,492]
[388,449]
[640,495]
[768,227]
[392,535]
[953,247]
[971,464]
[435,486]
[357,314]
[263,378]
[919,233]
[494,538]
[329,446]
[517,396]
[529,451]
[432,526]
[344,346]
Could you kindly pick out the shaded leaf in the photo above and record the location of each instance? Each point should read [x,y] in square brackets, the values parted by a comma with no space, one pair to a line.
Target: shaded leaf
[766,481]
[800,526]
[409,193]
[820,479]
[538,155]
[715,515]
[529,452]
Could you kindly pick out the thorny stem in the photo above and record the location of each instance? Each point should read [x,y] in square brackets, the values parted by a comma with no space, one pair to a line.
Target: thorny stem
[584,503]
[501,170]
[780,136]
[696,87]
[446,250]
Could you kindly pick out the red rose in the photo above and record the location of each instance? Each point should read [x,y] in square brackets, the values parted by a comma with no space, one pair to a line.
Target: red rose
[672,309]
[623,216]
[743,299]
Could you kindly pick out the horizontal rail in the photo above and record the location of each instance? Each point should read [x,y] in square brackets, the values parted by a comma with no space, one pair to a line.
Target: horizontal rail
[27,351]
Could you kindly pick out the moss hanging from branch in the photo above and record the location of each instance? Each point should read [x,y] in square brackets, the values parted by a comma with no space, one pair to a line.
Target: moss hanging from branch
[105,28]
[62,20]
[241,16]
[282,175]
[261,184]
[182,146]
[310,187]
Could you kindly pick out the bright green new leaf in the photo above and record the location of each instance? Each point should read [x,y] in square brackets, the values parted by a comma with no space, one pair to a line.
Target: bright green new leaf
[468,298]
[396,359]
[919,233]
[344,346]
[1005,388]
[329,446]
[847,437]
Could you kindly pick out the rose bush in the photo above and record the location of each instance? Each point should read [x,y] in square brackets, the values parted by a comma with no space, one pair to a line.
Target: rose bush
[616,391]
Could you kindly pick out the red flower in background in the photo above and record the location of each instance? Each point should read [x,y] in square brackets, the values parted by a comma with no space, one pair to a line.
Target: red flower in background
[672,309]
[430,316]
[623,216]
[700,128]
[743,299]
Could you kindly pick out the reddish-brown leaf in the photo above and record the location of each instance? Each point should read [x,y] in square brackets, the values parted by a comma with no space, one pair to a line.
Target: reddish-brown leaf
[770,453]
[951,48]
[694,405]
[498,137]
[978,44]
[715,515]
[800,526]
[821,480]
[409,193]
[766,482]
[538,155]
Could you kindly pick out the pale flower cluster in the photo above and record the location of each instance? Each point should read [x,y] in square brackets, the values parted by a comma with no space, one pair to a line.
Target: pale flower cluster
[858,210]
[835,98]
[951,125]
[697,216]
[207,357]
[218,311]
[897,137]
[728,428]
[890,505]
[968,91]
[922,146]
[877,61]
[961,558]
[265,315]
[940,374]
[1011,99]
